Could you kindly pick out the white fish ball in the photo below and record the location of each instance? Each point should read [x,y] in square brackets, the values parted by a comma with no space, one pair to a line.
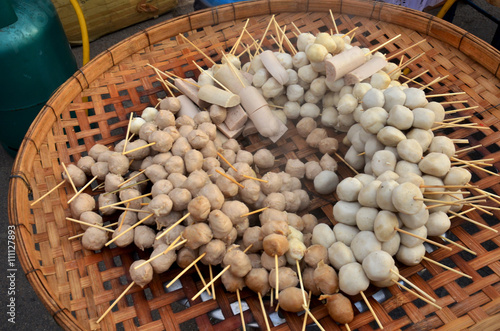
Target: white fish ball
[294,92]
[438,224]
[368,194]
[424,137]
[407,198]
[359,90]
[416,220]
[348,189]
[423,118]
[385,225]
[435,164]
[383,161]
[410,256]
[292,110]
[345,212]
[149,114]
[329,117]
[374,119]
[442,144]
[365,218]
[410,150]
[307,73]
[336,85]
[457,176]
[393,96]
[340,254]
[415,98]
[347,104]
[390,136]
[411,241]
[345,233]
[352,279]
[363,244]
[377,265]
[323,235]
[373,98]
[136,124]
[326,182]
[300,59]
[260,77]
[380,80]
[384,195]
[391,246]
[305,39]
[400,117]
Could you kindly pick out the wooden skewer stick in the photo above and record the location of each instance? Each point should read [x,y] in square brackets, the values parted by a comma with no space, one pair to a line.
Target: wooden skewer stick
[212,76]
[89,224]
[128,186]
[131,178]
[371,310]
[446,186]
[459,110]
[318,324]
[129,229]
[334,23]
[264,35]
[235,46]
[46,194]
[255,178]
[124,201]
[453,119]
[277,276]
[305,315]
[454,203]
[233,70]
[229,178]
[453,101]
[169,85]
[241,310]
[460,151]
[123,217]
[69,177]
[296,28]
[128,133]
[482,208]
[81,234]
[227,162]
[254,212]
[168,249]
[347,164]
[349,32]
[213,280]
[98,186]
[422,238]
[277,307]
[272,298]
[434,82]
[301,283]
[458,245]
[81,190]
[446,267]
[416,294]
[263,311]
[115,302]
[445,192]
[468,125]
[185,270]
[443,94]
[130,209]
[347,327]
[159,75]
[280,46]
[382,45]
[414,286]
[201,277]
[404,65]
[164,233]
[138,148]
[473,221]
[196,47]
[406,49]
[413,78]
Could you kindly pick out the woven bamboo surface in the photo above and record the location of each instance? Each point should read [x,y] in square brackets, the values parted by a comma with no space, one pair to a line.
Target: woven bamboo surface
[77,285]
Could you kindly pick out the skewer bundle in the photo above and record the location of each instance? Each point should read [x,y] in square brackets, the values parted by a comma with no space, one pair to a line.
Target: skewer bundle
[303,301]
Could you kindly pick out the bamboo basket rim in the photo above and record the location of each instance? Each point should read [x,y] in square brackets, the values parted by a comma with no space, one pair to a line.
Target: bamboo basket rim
[19,188]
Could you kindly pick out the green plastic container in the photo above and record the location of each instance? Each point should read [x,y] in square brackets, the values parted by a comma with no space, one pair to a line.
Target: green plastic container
[35,59]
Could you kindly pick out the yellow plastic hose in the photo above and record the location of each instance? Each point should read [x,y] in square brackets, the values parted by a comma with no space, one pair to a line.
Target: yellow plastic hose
[83,28]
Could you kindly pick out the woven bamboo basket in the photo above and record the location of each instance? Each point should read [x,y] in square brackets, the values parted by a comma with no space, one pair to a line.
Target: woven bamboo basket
[77,285]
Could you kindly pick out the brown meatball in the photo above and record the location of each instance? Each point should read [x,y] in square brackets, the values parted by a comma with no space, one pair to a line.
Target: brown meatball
[339,308]
[231,282]
[197,234]
[239,262]
[253,236]
[220,224]
[291,299]
[142,275]
[278,227]
[326,278]
[269,262]
[199,208]
[215,249]
[144,237]
[94,239]
[213,194]
[180,198]
[309,283]
[287,278]
[275,244]
[82,203]
[314,254]
[125,239]
[258,280]
[186,256]
[165,261]
[91,218]
[77,175]
[160,205]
